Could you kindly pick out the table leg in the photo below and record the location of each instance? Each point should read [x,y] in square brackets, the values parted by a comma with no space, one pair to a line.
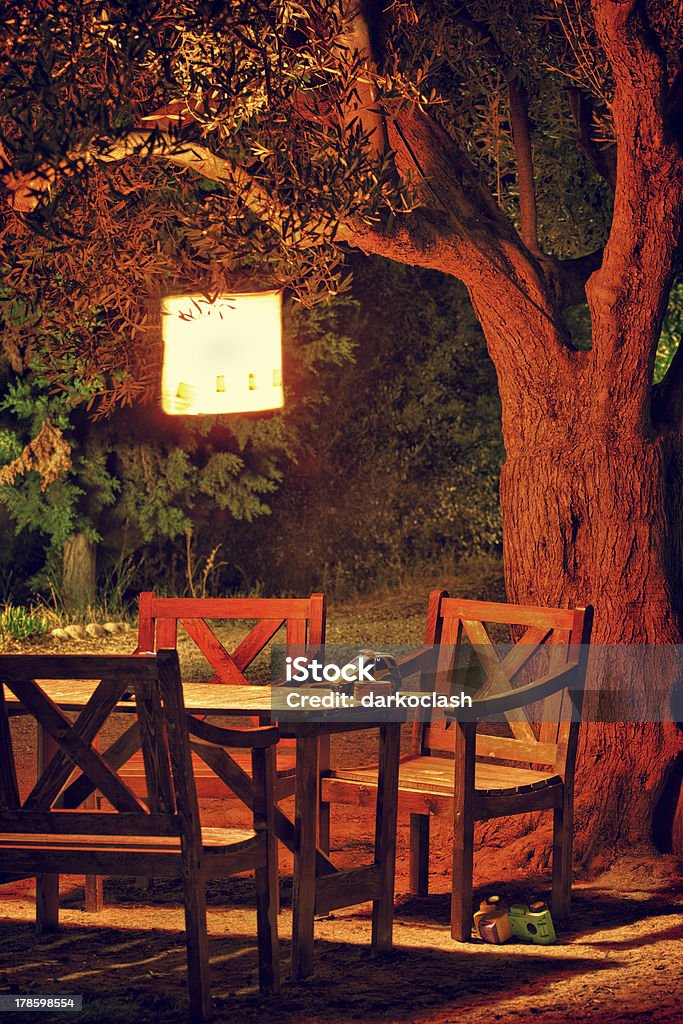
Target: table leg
[94,893]
[385,833]
[303,895]
[47,886]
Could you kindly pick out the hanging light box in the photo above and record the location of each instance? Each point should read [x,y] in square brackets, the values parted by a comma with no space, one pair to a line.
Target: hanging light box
[223,356]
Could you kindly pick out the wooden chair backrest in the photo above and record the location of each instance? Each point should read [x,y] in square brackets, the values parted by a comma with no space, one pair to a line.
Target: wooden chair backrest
[303,620]
[462,629]
[52,805]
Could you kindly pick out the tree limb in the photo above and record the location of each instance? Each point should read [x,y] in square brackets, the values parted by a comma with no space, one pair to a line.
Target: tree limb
[362,105]
[521,138]
[648,202]
[604,161]
[521,129]
[637,64]
[27,190]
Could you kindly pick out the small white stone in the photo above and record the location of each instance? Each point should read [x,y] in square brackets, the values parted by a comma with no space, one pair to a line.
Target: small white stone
[94,629]
[75,632]
[59,633]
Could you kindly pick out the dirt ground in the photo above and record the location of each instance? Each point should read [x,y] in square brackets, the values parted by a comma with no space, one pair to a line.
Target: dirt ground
[620,960]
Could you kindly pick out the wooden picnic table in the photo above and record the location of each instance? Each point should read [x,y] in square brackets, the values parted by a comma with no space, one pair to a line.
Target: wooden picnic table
[318,885]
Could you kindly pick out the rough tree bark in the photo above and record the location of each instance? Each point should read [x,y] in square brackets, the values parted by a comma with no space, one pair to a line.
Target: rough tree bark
[78,573]
[589,517]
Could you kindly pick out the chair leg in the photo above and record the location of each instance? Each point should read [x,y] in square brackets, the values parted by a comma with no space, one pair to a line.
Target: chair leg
[94,884]
[267,906]
[47,904]
[198,979]
[47,886]
[324,807]
[304,882]
[562,861]
[94,894]
[419,854]
[385,834]
[275,884]
[463,831]
[461,897]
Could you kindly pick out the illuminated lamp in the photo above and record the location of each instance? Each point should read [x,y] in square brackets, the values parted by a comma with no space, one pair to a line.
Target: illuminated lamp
[222,356]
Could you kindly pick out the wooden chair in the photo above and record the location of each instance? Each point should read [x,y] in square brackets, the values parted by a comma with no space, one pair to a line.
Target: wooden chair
[297,622]
[47,834]
[459,770]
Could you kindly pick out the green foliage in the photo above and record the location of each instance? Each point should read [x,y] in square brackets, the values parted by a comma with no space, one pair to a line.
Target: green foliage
[51,509]
[401,465]
[399,456]
[672,330]
[19,623]
[270,89]
[157,489]
[139,478]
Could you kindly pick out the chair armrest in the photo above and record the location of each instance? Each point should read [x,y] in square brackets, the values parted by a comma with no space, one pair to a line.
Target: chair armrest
[254,739]
[501,702]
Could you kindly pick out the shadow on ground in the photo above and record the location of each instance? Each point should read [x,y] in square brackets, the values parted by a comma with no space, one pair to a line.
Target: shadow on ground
[616,963]
[130,974]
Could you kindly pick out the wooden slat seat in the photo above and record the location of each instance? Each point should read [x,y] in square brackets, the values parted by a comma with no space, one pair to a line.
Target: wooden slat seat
[238,849]
[435,775]
[216,838]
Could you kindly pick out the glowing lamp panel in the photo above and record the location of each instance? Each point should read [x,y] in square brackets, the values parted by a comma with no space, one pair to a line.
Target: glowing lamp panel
[223,356]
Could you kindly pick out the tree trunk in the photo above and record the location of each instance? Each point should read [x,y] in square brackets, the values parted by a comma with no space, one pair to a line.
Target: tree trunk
[587,524]
[590,497]
[78,574]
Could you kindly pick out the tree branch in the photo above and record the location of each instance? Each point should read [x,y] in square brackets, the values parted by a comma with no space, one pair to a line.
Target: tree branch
[521,138]
[648,202]
[637,64]
[363,105]
[521,129]
[604,161]
[27,190]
